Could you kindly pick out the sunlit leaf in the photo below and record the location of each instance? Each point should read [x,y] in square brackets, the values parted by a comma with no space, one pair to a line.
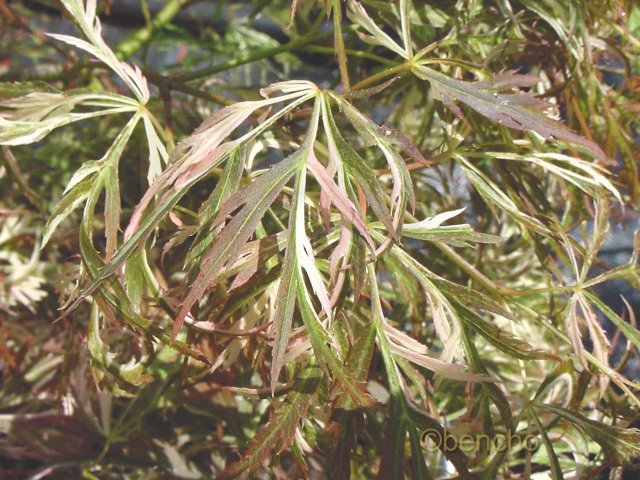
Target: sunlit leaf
[256,198]
[431,229]
[514,110]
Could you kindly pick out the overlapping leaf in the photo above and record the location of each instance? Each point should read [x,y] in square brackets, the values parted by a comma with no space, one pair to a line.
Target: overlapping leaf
[457,235]
[519,111]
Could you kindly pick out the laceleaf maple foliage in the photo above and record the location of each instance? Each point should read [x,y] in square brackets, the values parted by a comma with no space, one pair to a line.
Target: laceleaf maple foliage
[320,272]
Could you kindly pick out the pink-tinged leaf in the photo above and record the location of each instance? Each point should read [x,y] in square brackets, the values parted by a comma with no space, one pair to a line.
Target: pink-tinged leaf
[341,251]
[210,134]
[90,26]
[252,256]
[514,110]
[298,345]
[308,264]
[293,258]
[204,150]
[398,201]
[325,212]
[340,254]
[226,185]
[380,135]
[250,261]
[300,255]
[166,182]
[402,190]
[596,333]
[342,153]
[339,198]
[226,247]
[325,201]
[294,9]
[407,347]
[112,185]
[407,146]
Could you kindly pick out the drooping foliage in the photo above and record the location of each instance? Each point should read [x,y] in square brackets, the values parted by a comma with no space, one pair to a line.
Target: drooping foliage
[214,279]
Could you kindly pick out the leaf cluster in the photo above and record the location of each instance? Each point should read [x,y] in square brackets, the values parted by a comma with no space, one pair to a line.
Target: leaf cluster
[215,279]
